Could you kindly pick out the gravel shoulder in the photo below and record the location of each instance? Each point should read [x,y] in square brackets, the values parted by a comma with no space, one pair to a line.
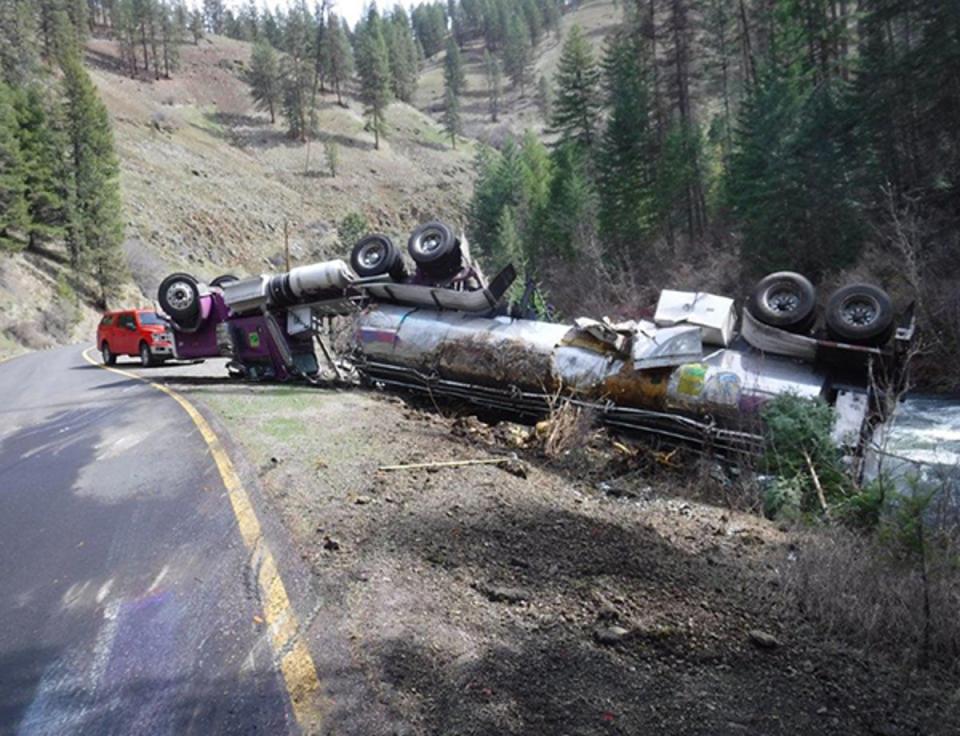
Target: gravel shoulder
[528,598]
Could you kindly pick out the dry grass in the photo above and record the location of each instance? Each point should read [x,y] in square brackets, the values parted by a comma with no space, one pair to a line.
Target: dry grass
[860,590]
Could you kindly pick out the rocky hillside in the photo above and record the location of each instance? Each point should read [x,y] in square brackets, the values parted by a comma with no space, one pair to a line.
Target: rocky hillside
[208,183]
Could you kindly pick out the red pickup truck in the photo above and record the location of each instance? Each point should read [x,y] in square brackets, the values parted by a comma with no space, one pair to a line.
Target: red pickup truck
[135,332]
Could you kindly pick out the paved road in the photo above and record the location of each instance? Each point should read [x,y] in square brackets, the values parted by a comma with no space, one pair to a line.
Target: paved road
[127,604]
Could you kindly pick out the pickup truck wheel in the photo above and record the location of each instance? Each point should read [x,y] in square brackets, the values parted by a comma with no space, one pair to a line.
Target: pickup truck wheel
[179,297]
[860,313]
[786,300]
[108,357]
[376,255]
[223,279]
[146,359]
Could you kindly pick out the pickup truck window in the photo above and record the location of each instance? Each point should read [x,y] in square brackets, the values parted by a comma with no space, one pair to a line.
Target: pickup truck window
[107,320]
[126,320]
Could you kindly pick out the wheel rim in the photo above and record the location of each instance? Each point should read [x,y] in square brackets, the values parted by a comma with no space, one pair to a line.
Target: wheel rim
[372,255]
[783,299]
[144,355]
[105,353]
[180,295]
[859,311]
[430,242]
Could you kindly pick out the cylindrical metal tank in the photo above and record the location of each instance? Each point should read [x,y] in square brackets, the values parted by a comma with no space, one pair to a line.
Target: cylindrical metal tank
[502,352]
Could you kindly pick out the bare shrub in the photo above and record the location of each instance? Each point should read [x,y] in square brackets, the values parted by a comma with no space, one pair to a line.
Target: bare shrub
[568,427]
[864,590]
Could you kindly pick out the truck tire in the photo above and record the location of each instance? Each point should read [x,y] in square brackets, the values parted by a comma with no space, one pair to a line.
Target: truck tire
[179,297]
[785,300]
[435,249]
[860,314]
[223,279]
[376,255]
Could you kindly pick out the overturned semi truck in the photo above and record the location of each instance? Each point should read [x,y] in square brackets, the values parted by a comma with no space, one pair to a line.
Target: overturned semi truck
[698,372]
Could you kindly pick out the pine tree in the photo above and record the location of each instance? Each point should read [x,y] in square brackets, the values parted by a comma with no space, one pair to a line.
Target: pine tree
[338,55]
[196,26]
[491,66]
[576,107]
[264,79]
[297,72]
[627,149]
[213,12]
[451,116]
[544,98]
[96,229]
[517,52]
[454,77]
[373,62]
[402,52]
[19,52]
[171,36]
[571,215]
[125,29]
[13,203]
[42,147]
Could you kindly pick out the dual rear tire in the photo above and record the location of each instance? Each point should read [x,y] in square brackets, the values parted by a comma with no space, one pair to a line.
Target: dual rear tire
[861,314]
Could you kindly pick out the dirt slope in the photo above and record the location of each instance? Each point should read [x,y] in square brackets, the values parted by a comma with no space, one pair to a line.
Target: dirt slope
[572,599]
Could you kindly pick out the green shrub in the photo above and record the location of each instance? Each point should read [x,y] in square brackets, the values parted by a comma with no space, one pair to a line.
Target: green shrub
[352,227]
[801,454]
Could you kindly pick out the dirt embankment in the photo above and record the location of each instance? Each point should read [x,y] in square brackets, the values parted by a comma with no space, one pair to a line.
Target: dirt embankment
[572,596]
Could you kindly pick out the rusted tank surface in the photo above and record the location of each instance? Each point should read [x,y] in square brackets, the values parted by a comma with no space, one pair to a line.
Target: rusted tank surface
[638,366]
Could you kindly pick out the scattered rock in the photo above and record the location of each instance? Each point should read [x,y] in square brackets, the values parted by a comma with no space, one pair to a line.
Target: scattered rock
[515,467]
[330,544]
[763,639]
[610,635]
[501,594]
[362,500]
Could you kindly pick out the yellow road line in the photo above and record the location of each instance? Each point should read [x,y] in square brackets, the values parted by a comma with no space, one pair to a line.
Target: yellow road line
[11,357]
[296,664]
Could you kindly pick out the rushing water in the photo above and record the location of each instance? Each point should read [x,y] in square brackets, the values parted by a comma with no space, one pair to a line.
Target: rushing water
[923,446]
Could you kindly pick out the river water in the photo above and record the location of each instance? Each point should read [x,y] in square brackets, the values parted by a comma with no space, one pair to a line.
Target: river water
[923,445]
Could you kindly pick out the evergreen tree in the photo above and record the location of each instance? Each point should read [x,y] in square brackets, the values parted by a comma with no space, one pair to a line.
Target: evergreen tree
[494,77]
[19,52]
[96,228]
[627,150]
[298,74]
[373,63]
[517,52]
[576,108]
[196,26]
[213,12]
[266,87]
[42,147]
[571,215]
[454,77]
[544,98]
[451,115]
[402,52]
[13,203]
[171,37]
[338,55]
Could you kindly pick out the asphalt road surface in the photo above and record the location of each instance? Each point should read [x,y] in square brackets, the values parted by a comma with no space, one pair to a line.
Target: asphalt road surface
[127,604]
